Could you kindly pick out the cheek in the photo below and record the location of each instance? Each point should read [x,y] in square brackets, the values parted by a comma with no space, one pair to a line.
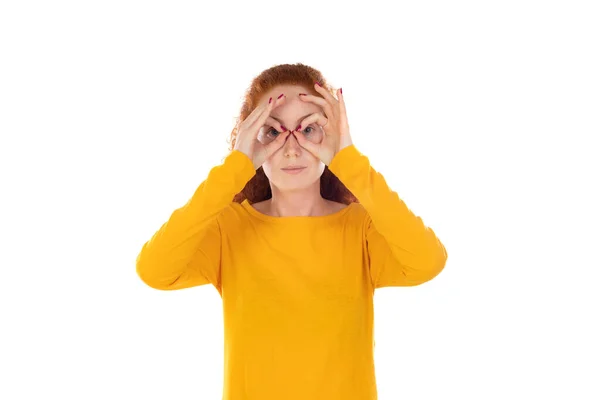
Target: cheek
[269,164]
[321,168]
[317,164]
[316,169]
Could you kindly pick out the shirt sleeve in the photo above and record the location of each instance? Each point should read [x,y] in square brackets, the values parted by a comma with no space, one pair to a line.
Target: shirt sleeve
[402,250]
[186,250]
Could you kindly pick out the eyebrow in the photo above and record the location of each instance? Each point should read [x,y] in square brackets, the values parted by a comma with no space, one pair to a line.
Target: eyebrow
[301,118]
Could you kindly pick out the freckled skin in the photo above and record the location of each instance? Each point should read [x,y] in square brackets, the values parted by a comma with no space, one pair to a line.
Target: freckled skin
[296,193]
[289,114]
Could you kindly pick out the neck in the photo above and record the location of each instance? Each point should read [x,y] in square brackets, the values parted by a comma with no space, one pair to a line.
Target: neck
[304,202]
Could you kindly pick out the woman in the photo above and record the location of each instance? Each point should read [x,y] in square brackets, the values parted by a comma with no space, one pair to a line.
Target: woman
[295,230]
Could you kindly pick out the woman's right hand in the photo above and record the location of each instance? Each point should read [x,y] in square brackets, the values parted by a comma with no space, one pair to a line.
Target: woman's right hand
[247,135]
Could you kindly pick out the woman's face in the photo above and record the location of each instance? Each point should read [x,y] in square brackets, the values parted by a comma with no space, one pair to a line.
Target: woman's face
[291,155]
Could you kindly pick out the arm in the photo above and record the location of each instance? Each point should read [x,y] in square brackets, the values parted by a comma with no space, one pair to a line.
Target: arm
[186,250]
[402,250]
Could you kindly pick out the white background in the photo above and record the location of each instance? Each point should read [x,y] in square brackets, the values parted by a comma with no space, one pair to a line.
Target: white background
[483,116]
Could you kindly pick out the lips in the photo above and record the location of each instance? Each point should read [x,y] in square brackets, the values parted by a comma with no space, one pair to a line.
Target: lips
[293,169]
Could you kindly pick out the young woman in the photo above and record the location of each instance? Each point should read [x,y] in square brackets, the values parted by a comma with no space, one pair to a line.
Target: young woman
[295,230]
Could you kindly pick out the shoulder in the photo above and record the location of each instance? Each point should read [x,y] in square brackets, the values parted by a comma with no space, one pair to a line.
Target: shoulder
[335,207]
[358,214]
[233,215]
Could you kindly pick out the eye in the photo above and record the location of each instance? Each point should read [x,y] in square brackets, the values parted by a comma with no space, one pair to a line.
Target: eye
[308,127]
[272,132]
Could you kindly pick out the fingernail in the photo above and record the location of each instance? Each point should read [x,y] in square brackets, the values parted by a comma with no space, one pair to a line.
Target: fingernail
[270,98]
[340,90]
[283,128]
[318,84]
[298,127]
[302,94]
[280,96]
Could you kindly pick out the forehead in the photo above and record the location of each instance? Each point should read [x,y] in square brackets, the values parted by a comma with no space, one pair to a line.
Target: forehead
[293,107]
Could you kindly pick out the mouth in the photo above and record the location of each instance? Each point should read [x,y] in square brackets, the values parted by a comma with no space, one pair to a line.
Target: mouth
[293,169]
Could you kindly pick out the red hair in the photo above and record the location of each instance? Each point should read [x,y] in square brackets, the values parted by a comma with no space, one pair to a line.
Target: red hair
[258,188]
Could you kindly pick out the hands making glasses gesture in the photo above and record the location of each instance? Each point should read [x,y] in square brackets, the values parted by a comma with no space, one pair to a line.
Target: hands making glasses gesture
[324,145]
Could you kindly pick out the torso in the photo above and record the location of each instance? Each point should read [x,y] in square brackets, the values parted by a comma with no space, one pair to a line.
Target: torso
[297,304]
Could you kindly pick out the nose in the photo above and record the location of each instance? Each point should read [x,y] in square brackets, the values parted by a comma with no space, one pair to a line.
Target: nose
[291,148]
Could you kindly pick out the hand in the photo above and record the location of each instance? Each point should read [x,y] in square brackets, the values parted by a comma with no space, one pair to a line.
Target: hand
[336,132]
[247,135]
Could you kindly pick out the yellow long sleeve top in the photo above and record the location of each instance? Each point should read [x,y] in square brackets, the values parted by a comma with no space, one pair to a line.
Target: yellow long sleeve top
[297,292]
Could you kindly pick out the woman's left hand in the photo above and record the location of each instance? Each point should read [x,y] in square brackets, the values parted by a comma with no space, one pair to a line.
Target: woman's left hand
[336,132]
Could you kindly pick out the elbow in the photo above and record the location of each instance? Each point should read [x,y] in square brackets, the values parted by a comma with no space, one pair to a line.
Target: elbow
[152,280]
[146,272]
[437,260]
[144,276]
[431,264]
[142,269]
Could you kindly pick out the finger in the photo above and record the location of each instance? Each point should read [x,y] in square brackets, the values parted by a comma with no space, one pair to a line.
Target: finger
[343,115]
[325,105]
[275,124]
[326,94]
[258,110]
[317,118]
[276,144]
[305,143]
[262,118]
[265,107]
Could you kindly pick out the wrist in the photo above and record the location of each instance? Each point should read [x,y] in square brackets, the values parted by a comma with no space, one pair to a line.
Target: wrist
[243,149]
[245,153]
[345,142]
[343,145]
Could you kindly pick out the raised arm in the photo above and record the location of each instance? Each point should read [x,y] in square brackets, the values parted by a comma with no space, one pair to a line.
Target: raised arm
[185,251]
[403,251]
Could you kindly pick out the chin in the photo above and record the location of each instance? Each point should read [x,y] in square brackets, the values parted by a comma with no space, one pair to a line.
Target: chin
[295,181]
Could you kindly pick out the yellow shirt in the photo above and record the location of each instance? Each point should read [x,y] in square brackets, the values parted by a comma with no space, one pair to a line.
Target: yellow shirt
[297,292]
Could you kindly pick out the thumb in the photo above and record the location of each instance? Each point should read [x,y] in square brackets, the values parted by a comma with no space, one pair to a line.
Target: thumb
[308,145]
[276,144]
